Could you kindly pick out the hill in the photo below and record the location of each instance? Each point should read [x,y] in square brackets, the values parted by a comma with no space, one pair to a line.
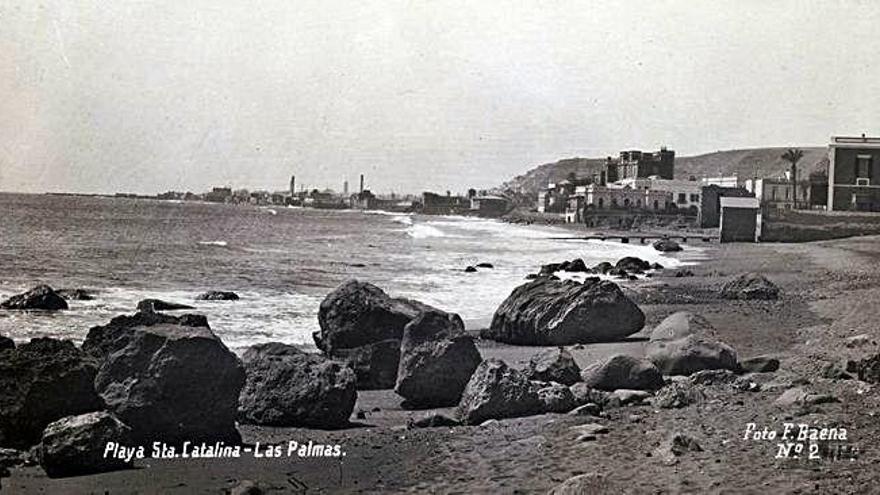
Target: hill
[767,162]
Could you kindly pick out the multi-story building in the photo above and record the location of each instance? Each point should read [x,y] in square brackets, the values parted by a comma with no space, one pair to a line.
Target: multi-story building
[778,192]
[686,194]
[854,173]
[637,164]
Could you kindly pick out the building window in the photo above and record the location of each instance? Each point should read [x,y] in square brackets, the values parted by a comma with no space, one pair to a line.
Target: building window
[863,167]
[656,205]
[626,202]
[787,193]
[682,198]
[601,203]
[773,193]
[695,198]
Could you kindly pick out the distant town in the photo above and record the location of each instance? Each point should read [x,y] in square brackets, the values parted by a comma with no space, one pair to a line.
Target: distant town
[635,190]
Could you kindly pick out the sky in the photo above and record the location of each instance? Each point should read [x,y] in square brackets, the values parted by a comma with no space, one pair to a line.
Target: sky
[150,96]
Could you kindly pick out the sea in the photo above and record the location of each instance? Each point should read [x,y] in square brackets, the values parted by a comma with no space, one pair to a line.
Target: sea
[282,261]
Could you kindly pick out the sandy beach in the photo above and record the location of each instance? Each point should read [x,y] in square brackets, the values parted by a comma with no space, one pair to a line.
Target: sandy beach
[829,293]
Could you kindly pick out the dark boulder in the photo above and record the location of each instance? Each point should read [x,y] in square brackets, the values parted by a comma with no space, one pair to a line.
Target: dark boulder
[555,397]
[359,313]
[750,286]
[632,264]
[76,445]
[40,382]
[691,354]
[470,269]
[867,369]
[656,266]
[497,391]
[550,269]
[170,379]
[217,295]
[147,305]
[375,365]
[623,372]
[437,360]
[40,297]
[577,266]
[485,265]
[603,267]
[548,312]
[683,273]
[6,343]
[288,387]
[667,246]
[681,324]
[76,294]
[759,364]
[554,365]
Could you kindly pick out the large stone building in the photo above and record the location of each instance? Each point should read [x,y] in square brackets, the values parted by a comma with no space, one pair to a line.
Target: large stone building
[854,173]
[637,164]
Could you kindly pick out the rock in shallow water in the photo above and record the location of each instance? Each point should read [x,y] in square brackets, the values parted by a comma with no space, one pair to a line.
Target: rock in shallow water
[147,305]
[76,294]
[40,297]
[75,445]
[170,379]
[437,360]
[40,382]
[288,387]
[217,295]
[549,312]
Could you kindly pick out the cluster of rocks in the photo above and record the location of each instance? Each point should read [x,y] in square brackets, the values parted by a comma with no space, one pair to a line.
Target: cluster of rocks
[474,268]
[626,268]
[43,297]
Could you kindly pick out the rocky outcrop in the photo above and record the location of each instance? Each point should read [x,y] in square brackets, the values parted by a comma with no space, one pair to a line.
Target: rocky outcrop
[169,379]
[623,372]
[496,391]
[375,365]
[555,397]
[147,305]
[681,324]
[437,360]
[288,387]
[750,286]
[632,264]
[677,395]
[76,294]
[603,267]
[585,394]
[691,354]
[6,343]
[40,297]
[359,313]
[554,365]
[217,295]
[759,364]
[666,246]
[40,382]
[76,445]
[549,312]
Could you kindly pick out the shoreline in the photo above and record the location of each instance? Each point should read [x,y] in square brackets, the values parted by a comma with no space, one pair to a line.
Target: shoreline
[827,289]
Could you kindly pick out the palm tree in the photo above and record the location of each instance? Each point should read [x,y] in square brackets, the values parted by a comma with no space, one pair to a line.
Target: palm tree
[793,156]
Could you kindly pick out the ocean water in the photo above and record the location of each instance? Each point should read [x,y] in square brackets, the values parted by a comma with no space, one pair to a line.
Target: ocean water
[281,261]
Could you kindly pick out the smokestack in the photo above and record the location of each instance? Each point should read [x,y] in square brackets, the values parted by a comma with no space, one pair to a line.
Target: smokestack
[293,185]
[362,183]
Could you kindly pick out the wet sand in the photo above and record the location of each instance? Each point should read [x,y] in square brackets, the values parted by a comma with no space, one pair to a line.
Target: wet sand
[830,291]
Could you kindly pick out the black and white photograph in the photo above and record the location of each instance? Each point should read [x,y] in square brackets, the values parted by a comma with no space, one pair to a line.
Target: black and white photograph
[445,247]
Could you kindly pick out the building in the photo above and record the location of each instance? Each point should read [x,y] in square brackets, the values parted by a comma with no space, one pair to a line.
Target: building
[740,219]
[554,198]
[435,204]
[710,203]
[637,164]
[489,206]
[686,194]
[596,200]
[854,173]
[219,195]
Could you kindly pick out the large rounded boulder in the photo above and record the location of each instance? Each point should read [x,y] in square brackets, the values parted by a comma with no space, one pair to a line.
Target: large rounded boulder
[623,372]
[77,445]
[359,313]
[288,387]
[40,382]
[437,360]
[497,391]
[551,312]
[681,324]
[40,297]
[750,286]
[375,365]
[692,354]
[170,379]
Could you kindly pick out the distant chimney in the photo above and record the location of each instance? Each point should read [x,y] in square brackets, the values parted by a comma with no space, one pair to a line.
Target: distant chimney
[293,185]
[362,183]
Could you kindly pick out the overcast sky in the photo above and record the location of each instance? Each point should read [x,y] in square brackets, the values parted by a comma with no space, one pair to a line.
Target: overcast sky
[148,96]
